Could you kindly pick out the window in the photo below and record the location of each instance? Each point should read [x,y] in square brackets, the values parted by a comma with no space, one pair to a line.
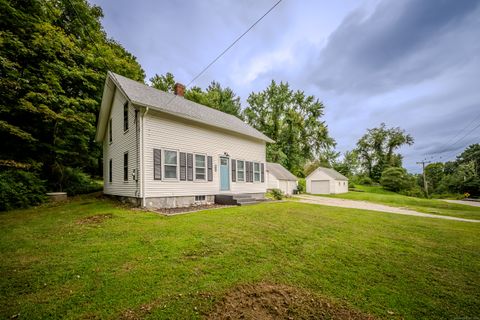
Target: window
[170,164]
[256,171]
[125,166]
[125,116]
[240,170]
[110,136]
[199,198]
[199,167]
[110,171]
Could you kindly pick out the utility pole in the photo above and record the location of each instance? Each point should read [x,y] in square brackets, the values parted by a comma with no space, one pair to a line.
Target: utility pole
[425,185]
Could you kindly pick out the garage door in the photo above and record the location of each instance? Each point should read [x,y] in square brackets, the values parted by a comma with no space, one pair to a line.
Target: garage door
[320,187]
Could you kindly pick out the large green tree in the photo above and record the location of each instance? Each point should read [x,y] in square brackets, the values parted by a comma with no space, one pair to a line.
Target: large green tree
[54,58]
[214,96]
[376,149]
[293,120]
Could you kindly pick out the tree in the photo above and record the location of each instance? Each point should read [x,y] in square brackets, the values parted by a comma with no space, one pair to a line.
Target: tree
[215,96]
[293,121]
[376,149]
[434,173]
[55,56]
[349,165]
[396,179]
[163,82]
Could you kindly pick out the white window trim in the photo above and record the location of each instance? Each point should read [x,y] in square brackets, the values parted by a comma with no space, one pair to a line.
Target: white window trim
[195,167]
[164,164]
[259,172]
[236,170]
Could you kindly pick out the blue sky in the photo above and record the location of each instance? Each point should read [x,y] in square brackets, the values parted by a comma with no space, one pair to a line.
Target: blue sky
[408,63]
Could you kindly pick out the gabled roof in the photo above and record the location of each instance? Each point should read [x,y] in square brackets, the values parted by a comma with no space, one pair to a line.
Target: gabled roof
[146,96]
[331,173]
[279,172]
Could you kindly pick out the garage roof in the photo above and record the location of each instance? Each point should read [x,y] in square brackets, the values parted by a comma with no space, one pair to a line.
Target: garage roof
[279,172]
[330,172]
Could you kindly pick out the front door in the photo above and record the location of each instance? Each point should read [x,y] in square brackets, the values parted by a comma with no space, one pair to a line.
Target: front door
[224,174]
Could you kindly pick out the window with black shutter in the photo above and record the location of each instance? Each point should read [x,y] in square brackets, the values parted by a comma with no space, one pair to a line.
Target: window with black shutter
[125,166]
[183,166]
[240,170]
[157,164]
[256,172]
[125,116]
[234,170]
[200,167]
[110,177]
[209,168]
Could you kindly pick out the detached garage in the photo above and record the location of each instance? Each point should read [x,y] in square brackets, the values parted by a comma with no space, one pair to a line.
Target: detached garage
[326,181]
[280,178]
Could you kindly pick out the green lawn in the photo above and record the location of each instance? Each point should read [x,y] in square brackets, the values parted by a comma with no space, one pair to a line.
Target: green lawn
[54,267]
[377,194]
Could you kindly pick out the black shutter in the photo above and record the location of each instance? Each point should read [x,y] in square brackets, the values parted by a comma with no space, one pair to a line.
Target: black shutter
[125,116]
[234,170]
[262,172]
[125,166]
[110,171]
[157,164]
[189,166]
[249,168]
[251,171]
[209,168]
[183,166]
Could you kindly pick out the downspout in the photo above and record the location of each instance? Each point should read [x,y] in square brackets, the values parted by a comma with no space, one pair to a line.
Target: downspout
[142,134]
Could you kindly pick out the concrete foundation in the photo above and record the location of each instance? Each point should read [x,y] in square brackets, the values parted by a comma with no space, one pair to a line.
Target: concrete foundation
[177,202]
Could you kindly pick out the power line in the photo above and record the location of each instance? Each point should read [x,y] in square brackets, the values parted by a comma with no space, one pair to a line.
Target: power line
[227,48]
[233,43]
[463,137]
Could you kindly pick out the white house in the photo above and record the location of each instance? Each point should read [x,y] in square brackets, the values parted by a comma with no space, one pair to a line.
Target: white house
[326,181]
[161,150]
[280,178]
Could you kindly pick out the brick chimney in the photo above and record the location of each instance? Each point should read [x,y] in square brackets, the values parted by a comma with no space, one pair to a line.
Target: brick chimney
[179,89]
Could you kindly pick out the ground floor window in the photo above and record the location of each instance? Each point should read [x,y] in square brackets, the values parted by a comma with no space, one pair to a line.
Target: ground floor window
[200,171]
[256,171]
[170,164]
[240,170]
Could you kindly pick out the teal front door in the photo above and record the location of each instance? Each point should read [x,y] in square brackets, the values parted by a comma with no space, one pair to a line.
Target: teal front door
[224,174]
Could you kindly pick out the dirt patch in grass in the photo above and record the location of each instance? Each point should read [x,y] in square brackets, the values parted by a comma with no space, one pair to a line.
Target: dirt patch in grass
[272,301]
[96,219]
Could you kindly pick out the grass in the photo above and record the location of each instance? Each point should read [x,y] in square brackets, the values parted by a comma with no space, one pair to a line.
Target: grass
[377,194]
[52,266]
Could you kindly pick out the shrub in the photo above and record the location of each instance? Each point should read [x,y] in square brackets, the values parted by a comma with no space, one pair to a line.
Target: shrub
[351,185]
[277,194]
[302,185]
[77,182]
[364,180]
[20,189]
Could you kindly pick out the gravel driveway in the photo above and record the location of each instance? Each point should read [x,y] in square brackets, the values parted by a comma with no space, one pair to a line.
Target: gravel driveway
[355,204]
[465,202]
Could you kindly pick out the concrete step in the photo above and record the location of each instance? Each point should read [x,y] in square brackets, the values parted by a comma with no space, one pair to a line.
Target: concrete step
[246,203]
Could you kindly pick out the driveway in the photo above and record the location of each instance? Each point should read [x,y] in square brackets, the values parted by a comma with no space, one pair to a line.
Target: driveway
[465,202]
[355,204]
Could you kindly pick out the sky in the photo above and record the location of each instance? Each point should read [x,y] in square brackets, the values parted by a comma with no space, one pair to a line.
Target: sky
[414,64]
